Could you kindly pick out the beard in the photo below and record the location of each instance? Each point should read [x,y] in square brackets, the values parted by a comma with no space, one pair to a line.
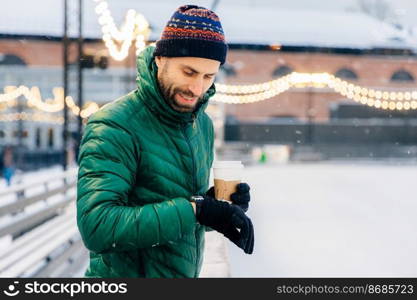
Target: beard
[170,92]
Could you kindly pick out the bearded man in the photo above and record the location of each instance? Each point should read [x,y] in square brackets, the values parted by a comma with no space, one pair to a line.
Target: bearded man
[143,203]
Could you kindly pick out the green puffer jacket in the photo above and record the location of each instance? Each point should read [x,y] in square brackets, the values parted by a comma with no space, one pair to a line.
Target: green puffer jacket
[139,163]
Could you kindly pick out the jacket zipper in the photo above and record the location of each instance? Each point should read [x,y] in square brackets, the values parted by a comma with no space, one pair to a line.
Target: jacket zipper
[192,155]
[194,188]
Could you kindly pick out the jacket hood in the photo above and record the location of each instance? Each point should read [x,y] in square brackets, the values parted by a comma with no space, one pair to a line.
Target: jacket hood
[150,94]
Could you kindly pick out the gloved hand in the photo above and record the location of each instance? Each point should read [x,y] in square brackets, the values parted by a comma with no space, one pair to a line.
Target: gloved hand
[241,197]
[228,219]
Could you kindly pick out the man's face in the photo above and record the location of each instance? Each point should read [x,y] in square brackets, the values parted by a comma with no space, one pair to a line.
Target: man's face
[184,80]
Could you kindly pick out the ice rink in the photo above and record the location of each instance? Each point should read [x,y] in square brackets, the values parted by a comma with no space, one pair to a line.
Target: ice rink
[327,220]
[324,220]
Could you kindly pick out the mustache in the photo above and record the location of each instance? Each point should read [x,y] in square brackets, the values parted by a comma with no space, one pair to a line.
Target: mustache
[186,93]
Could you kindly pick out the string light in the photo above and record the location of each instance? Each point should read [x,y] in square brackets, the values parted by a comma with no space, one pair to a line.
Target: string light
[135,26]
[34,117]
[237,94]
[11,93]
[34,100]
[89,110]
[258,92]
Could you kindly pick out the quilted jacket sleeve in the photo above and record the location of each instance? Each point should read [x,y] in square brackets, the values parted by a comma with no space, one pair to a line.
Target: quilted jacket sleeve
[108,159]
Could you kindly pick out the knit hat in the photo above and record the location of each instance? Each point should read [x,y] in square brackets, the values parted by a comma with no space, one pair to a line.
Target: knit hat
[193,31]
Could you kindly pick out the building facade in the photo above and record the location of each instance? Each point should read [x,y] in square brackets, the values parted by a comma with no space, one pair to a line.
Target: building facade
[397,72]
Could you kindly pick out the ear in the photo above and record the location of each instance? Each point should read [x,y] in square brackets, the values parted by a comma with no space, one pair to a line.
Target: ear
[159,61]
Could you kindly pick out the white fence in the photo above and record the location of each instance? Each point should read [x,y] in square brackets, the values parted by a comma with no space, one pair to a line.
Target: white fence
[38,229]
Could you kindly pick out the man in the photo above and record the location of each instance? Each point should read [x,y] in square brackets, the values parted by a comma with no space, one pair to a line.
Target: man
[142,205]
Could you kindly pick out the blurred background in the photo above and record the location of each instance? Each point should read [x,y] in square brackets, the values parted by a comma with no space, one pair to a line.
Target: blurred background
[317,98]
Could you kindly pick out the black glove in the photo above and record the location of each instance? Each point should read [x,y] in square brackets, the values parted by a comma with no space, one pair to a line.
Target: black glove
[241,197]
[228,219]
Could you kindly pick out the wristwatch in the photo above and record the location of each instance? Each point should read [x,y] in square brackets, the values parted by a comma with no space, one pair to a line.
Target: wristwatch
[196,199]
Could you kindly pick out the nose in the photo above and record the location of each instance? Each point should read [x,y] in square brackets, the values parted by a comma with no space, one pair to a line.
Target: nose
[196,87]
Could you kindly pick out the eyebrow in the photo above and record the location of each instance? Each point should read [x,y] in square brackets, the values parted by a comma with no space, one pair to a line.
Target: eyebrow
[195,71]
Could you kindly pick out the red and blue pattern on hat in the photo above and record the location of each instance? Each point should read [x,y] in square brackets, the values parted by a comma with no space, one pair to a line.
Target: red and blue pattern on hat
[193,31]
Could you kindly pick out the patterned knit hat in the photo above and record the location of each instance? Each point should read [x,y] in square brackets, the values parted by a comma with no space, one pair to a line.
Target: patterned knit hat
[193,31]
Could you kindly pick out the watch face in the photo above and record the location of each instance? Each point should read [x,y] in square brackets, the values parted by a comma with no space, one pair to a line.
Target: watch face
[196,198]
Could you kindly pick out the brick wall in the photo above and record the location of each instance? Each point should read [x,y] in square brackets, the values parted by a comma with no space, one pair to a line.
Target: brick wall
[255,67]
[50,53]
[258,66]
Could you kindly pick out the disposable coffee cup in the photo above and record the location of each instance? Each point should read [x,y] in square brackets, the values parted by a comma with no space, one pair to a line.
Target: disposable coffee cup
[227,175]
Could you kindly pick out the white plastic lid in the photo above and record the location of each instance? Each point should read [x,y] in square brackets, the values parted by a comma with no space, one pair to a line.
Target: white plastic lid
[228,170]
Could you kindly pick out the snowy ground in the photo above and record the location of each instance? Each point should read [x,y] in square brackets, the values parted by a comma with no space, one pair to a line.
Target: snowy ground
[35,182]
[322,220]
[32,176]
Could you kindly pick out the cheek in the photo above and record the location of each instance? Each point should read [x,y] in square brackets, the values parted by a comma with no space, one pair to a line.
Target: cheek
[179,81]
[208,84]
[170,84]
